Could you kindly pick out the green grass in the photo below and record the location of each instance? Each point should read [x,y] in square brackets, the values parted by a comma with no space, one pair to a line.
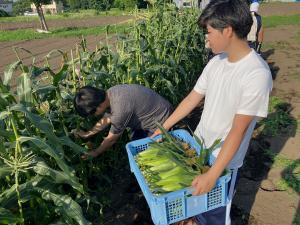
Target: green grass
[274,21]
[279,120]
[30,34]
[67,15]
[291,174]
[296,220]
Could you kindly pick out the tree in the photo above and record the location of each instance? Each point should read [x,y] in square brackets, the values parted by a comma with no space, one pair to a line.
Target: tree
[38,4]
[74,4]
[20,7]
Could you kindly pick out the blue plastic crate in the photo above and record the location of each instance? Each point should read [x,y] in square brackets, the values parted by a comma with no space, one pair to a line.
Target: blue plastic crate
[179,205]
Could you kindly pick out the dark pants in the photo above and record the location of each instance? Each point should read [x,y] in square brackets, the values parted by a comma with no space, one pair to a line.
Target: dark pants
[139,134]
[212,217]
[252,44]
[216,216]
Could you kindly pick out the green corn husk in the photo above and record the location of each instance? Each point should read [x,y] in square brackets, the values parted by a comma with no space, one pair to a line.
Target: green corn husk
[172,164]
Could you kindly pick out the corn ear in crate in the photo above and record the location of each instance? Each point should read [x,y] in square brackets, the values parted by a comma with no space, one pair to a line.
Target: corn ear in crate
[172,164]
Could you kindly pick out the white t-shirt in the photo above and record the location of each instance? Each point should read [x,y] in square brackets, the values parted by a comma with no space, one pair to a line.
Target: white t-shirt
[242,87]
[253,31]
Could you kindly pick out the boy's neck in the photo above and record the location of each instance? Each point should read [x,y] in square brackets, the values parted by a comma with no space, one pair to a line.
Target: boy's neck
[238,50]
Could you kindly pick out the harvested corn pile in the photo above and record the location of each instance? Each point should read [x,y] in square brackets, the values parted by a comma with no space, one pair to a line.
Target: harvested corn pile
[172,164]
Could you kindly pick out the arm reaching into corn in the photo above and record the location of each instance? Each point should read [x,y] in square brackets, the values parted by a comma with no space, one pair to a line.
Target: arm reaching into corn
[183,109]
[205,182]
[108,141]
[99,126]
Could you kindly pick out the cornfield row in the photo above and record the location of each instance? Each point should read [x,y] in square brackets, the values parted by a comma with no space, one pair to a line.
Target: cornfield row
[41,172]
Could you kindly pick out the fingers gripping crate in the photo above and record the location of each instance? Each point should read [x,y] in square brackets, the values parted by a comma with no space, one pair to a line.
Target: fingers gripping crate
[179,205]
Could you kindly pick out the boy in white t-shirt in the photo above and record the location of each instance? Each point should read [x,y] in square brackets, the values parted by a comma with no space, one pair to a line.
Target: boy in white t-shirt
[236,85]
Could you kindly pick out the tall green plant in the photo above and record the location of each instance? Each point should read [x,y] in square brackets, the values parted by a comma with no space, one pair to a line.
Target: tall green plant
[40,167]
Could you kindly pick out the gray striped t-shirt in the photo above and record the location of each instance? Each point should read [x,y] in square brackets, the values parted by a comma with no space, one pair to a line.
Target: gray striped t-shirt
[136,107]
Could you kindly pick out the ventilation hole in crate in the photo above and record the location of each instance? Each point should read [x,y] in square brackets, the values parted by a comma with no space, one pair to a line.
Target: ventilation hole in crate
[174,209]
[214,197]
[141,147]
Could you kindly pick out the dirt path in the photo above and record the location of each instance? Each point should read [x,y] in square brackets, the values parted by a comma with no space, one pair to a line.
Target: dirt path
[279,8]
[40,48]
[82,22]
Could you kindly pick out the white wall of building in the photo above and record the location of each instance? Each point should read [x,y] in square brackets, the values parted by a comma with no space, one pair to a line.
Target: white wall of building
[7,7]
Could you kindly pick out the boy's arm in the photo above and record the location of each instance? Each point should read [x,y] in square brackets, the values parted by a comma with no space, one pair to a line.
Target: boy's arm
[182,110]
[205,182]
[260,38]
[108,141]
[99,126]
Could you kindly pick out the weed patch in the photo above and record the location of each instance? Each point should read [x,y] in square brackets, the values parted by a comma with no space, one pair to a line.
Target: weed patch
[279,120]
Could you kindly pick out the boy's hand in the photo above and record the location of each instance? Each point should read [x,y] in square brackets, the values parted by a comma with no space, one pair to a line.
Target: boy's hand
[203,183]
[90,154]
[80,134]
[156,132]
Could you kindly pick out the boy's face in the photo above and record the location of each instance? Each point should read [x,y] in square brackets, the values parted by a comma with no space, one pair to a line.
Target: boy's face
[217,40]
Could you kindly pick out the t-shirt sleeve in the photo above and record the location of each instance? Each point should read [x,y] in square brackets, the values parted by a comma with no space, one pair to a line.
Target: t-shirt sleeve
[119,121]
[254,98]
[202,83]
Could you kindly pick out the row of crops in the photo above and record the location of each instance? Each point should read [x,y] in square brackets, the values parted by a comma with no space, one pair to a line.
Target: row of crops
[42,177]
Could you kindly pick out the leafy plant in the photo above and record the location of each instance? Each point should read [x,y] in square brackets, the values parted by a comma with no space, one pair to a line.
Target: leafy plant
[40,167]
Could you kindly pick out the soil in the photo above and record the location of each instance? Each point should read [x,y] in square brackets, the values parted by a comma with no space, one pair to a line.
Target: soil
[81,22]
[41,47]
[279,8]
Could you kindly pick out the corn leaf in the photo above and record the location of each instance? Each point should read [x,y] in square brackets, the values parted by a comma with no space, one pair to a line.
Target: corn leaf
[66,141]
[5,170]
[43,146]
[41,123]
[9,72]
[8,198]
[24,88]
[58,223]
[65,205]
[36,71]
[7,217]
[4,115]
[61,75]
[56,176]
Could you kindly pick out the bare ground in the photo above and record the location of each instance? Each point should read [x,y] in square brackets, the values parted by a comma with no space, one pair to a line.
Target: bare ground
[279,8]
[82,22]
[40,48]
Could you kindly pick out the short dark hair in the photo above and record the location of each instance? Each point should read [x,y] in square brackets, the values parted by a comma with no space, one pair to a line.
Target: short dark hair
[220,14]
[87,99]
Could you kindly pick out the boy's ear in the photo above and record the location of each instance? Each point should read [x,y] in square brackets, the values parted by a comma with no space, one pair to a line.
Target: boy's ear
[228,32]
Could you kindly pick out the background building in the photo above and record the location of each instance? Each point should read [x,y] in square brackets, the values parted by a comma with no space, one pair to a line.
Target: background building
[6,6]
[55,7]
